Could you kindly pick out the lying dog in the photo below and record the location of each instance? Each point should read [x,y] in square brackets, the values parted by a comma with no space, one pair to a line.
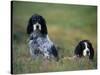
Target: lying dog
[84,48]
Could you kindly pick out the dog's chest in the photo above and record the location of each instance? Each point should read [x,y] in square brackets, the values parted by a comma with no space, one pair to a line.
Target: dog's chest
[41,43]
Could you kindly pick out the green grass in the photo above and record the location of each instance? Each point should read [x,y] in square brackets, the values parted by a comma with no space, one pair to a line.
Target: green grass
[67,25]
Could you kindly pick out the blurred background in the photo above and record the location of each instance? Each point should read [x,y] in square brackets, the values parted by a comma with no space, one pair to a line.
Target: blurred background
[67,25]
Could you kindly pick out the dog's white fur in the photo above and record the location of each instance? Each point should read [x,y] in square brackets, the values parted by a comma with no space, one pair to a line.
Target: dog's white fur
[35,25]
[86,49]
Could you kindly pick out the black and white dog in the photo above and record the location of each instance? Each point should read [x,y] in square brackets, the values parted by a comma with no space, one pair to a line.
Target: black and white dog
[84,48]
[39,42]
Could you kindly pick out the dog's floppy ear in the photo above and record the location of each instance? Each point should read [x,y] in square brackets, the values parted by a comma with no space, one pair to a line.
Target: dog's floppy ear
[78,49]
[43,26]
[29,26]
[91,51]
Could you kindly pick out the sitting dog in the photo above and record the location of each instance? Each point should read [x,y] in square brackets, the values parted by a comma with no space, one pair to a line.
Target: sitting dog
[39,42]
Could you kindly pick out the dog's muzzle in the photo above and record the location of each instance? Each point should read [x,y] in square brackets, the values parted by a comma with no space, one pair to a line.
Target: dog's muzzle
[37,26]
[88,53]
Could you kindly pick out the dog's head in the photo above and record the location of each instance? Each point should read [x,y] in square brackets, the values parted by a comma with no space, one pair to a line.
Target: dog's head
[85,48]
[36,22]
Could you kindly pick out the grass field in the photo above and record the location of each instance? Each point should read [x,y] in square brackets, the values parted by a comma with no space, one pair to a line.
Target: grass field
[67,25]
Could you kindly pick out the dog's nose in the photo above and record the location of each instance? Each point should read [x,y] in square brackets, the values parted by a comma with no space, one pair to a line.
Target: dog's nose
[87,52]
[37,27]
